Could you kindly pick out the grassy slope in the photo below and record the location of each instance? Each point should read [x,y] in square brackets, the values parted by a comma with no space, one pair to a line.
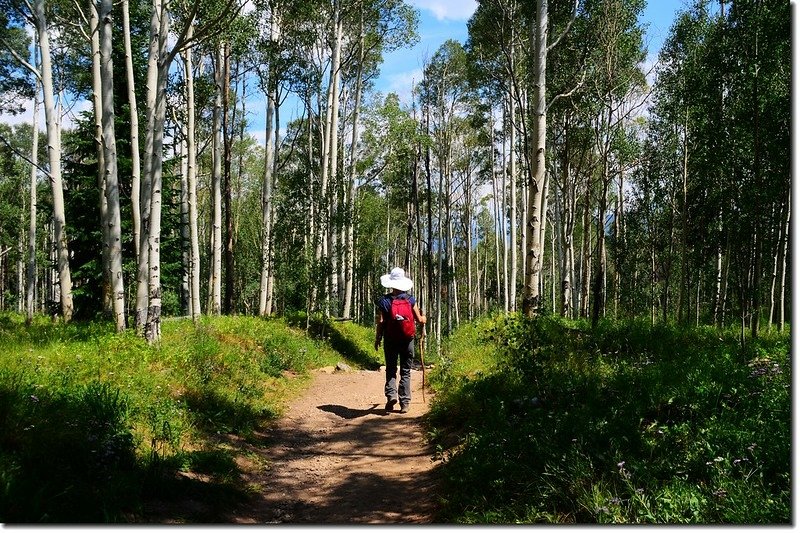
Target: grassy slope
[93,425]
[547,421]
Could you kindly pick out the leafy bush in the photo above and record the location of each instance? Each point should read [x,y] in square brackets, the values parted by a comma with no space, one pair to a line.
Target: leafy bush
[624,424]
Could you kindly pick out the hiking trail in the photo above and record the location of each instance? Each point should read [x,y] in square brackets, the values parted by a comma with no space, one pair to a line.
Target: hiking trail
[336,457]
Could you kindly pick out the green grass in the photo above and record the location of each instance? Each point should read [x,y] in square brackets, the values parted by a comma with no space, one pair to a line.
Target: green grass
[625,424]
[94,425]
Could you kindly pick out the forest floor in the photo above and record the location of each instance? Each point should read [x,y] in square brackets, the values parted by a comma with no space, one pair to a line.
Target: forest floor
[337,457]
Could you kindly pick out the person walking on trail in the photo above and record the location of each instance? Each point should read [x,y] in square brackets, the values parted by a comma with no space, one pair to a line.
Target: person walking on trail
[395,323]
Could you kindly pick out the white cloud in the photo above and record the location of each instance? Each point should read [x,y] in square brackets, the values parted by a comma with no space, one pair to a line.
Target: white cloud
[70,110]
[402,83]
[448,9]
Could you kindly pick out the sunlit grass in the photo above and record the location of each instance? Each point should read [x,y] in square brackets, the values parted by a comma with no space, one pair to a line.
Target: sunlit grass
[76,396]
[624,424]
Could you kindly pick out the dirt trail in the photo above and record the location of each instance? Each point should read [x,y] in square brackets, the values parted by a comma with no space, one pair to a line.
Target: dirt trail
[337,457]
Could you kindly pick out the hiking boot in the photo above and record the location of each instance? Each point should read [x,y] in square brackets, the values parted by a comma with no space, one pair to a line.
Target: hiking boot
[404,408]
[390,404]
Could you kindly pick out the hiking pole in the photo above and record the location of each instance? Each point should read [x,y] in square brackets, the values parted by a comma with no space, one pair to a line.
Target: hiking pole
[422,359]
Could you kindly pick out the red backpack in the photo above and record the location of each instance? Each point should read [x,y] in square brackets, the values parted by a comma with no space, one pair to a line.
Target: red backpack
[400,325]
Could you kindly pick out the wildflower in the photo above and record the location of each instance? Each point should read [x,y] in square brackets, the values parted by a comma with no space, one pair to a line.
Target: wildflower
[640,491]
[718,459]
[615,501]
[620,464]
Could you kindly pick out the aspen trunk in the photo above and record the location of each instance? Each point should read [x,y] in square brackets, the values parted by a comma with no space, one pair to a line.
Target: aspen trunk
[468,217]
[97,106]
[504,214]
[349,268]
[157,25]
[717,301]
[265,298]
[586,247]
[191,185]
[780,265]
[512,184]
[496,206]
[113,222]
[54,157]
[186,291]
[152,182]
[683,300]
[215,288]
[567,232]
[784,245]
[134,124]
[532,300]
[619,238]
[333,145]
[227,138]
[30,296]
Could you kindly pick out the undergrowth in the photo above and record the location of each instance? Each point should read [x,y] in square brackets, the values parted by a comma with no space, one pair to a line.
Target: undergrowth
[96,426]
[548,421]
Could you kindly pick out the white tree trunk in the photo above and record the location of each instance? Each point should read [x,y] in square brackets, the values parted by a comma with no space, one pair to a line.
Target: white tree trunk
[54,158]
[113,221]
[512,184]
[265,299]
[504,211]
[191,185]
[532,299]
[333,144]
[350,202]
[146,185]
[496,204]
[156,112]
[30,296]
[186,250]
[97,106]
[265,302]
[215,288]
[783,246]
[136,170]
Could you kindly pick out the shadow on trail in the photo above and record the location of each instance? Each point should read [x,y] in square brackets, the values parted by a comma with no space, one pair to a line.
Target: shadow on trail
[347,413]
[362,469]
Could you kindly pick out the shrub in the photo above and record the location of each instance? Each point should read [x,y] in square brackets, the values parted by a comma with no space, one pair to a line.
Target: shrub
[626,423]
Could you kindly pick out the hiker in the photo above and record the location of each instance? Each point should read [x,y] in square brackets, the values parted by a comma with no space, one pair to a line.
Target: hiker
[395,322]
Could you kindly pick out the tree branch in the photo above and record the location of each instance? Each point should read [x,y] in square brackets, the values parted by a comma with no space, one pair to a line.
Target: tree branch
[568,93]
[21,59]
[23,156]
[566,30]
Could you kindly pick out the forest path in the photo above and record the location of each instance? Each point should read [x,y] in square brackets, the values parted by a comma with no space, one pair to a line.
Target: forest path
[337,457]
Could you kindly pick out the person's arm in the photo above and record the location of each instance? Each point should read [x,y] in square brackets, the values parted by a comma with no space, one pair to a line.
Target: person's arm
[378,327]
[418,314]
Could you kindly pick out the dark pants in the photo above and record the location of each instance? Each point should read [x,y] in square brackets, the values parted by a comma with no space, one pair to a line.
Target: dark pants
[404,351]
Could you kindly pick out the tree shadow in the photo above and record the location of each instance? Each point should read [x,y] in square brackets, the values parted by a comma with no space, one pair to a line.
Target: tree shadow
[349,414]
[376,473]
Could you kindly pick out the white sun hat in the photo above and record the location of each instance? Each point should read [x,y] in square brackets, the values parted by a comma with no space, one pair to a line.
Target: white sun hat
[397,279]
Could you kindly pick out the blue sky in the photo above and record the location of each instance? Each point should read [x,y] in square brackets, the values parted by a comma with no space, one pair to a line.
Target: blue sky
[439,20]
[447,19]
